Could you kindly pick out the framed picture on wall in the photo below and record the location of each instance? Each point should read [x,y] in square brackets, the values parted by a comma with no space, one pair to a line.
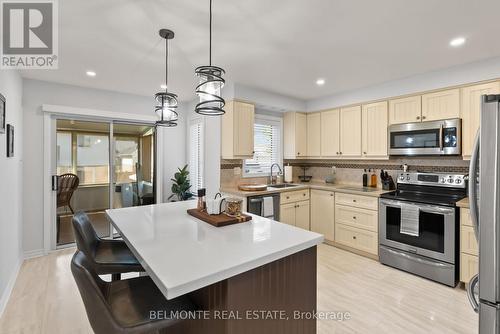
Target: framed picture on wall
[2,114]
[10,141]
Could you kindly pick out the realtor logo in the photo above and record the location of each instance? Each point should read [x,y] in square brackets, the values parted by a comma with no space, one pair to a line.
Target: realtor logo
[29,34]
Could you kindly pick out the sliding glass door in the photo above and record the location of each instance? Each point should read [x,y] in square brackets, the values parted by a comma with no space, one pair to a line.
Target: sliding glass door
[101,165]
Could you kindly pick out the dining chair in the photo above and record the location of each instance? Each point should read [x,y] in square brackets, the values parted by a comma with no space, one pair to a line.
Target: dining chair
[124,307]
[107,256]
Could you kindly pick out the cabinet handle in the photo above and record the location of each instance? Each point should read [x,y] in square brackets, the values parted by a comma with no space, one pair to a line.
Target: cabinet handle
[337,153]
[331,194]
[296,206]
[364,153]
[354,237]
[298,153]
[288,197]
[418,117]
[354,201]
[340,153]
[354,217]
[303,194]
[423,117]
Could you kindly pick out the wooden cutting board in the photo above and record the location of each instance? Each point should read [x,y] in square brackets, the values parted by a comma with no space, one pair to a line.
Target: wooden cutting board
[218,220]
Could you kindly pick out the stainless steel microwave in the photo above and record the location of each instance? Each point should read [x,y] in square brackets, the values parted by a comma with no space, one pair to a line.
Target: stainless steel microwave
[426,138]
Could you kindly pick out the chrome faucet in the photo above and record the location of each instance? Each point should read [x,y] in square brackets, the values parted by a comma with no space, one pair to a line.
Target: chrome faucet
[272,179]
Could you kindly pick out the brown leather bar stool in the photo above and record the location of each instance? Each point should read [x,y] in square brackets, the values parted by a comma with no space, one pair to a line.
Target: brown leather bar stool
[107,256]
[123,307]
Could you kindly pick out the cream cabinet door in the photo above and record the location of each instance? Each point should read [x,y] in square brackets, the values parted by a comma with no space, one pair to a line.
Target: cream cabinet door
[374,130]
[470,109]
[287,213]
[350,131]
[405,110]
[469,266]
[441,105]
[330,133]
[244,123]
[314,135]
[323,213]
[302,215]
[301,134]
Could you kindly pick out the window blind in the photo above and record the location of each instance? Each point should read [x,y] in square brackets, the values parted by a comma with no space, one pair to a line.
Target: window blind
[196,155]
[267,147]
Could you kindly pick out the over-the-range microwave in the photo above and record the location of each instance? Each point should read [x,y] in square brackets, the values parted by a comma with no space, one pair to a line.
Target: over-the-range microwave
[442,137]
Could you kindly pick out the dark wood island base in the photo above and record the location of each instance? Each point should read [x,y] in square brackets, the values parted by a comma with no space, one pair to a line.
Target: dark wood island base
[277,298]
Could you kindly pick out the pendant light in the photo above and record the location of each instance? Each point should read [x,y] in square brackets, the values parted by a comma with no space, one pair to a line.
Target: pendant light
[166,102]
[210,85]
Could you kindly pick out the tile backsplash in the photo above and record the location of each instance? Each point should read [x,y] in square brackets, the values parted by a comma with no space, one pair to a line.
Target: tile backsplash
[350,171]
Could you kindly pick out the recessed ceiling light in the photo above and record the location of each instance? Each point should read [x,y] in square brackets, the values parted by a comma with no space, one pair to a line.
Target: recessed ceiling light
[459,41]
[320,82]
[163,86]
[91,73]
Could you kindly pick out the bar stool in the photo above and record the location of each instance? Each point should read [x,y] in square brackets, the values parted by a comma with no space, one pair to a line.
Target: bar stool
[123,307]
[107,256]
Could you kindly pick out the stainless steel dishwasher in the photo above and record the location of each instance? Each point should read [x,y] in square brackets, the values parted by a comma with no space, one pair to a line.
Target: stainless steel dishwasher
[255,205]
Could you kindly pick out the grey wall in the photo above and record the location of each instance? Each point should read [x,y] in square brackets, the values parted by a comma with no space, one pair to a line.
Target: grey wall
[37,93]
[11,180]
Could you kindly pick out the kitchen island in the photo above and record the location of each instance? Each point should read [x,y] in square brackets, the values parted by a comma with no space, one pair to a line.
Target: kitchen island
[237,273]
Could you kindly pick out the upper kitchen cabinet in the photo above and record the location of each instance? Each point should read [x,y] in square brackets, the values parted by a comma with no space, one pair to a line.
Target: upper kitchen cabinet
[374,130]
[295,135]
[405,110]
[330,133]
[313,134]
[350,132]
[470,109]
[441,105]
[237,130]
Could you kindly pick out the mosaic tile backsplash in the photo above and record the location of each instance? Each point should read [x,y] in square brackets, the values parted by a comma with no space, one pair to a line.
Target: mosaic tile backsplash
[347,171]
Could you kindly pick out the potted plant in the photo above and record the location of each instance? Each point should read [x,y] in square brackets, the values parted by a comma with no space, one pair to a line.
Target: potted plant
[181,185]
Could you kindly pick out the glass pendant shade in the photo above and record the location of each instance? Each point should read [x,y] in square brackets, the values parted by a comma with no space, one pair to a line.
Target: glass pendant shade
[209,90]
[166,109]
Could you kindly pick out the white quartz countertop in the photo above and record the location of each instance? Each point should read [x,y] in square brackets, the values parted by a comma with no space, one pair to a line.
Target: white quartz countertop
[183,254]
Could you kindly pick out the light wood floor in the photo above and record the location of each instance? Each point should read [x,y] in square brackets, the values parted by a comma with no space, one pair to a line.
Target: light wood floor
[380,299]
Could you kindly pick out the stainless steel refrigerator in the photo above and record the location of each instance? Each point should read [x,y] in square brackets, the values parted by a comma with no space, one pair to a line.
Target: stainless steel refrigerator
[484,198]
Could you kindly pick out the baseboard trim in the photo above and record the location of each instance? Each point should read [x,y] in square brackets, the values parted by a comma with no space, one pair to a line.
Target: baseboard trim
[33,253]
[10,286]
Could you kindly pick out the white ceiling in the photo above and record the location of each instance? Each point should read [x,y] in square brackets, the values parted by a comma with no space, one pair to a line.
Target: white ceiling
[281,46]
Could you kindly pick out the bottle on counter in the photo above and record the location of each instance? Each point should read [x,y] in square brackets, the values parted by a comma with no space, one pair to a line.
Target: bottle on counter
[201,199]
[365,178]
[373,179]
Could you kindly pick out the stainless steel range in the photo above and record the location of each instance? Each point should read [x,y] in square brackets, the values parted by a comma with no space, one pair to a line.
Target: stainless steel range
[418,225]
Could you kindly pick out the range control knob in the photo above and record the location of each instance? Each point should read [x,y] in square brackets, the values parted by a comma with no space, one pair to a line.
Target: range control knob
[408,178]
[402,177]
[458,181]
[450,180]
[443,180]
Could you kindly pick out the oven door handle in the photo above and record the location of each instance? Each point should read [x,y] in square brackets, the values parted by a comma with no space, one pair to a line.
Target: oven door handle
[422,207]
[441,137]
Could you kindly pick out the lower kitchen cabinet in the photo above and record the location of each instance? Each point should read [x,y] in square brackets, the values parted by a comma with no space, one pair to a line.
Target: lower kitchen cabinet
[295,213]
[469,254]
[323,213]
[356,222]
[356,238]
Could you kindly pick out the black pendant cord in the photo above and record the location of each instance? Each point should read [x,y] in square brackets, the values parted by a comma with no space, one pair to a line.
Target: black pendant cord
[166,65]
[210,47]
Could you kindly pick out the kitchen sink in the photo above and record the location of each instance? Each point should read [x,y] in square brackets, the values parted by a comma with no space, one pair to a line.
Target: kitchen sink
[282,185]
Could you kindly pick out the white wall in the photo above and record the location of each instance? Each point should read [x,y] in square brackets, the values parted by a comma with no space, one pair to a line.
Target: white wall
[463,74]
[267,100]
[37,93]
[11,180]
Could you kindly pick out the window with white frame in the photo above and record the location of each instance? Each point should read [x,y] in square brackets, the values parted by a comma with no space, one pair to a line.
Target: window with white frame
[267,146]
[196,151]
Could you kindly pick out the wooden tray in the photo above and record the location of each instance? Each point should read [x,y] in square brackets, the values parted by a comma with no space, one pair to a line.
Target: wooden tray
[252,187]
[218,220]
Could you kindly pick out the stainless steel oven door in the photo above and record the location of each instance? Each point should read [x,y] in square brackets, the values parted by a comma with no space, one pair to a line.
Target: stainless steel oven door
[436,233]
[426,138]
